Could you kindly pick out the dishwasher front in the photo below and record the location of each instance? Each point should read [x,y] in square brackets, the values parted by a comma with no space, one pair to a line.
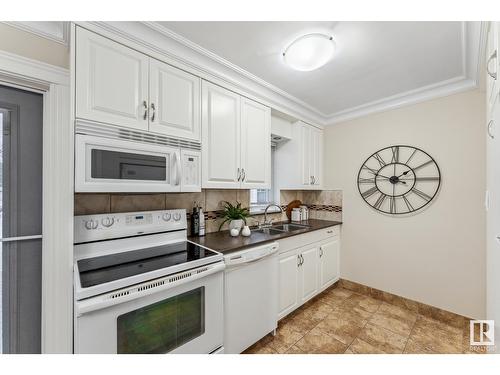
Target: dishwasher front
[250,296]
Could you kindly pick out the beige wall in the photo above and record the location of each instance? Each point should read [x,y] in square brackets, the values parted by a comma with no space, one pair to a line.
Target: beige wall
[436,256]
[32,46]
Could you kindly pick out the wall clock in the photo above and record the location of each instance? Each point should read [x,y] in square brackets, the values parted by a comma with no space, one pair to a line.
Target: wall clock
[399,179]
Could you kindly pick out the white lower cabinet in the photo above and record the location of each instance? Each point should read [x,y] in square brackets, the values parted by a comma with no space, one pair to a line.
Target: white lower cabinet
[329,263]
[306,271]
[288,282]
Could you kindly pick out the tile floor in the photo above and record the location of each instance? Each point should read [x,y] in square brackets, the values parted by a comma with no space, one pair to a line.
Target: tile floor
[341,321]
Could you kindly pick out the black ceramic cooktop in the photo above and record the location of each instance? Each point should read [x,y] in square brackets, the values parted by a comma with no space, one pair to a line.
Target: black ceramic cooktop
[103,269]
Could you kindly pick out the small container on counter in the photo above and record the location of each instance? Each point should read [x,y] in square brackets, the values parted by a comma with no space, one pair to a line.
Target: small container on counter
[304,213]
[201,218]
[296,214]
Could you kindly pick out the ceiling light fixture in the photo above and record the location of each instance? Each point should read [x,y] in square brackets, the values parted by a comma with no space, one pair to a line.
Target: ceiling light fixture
[309,52]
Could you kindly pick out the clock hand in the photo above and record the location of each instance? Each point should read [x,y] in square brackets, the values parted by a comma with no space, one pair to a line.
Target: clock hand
[404,173]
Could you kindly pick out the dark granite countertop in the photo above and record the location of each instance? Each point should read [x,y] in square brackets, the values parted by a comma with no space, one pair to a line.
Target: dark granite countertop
[224,243]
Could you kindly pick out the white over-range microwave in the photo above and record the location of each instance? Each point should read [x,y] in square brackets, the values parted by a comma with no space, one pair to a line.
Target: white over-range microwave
[109,159]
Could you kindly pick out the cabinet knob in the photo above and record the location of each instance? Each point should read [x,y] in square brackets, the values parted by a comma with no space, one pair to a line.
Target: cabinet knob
[490,126]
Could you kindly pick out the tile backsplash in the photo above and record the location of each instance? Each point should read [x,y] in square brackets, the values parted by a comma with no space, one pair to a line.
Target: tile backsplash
[325,204]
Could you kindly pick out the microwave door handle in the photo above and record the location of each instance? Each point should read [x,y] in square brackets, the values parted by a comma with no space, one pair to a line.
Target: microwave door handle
[177,169]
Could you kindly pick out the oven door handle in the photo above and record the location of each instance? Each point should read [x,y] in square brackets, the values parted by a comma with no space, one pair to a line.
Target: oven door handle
[145,289]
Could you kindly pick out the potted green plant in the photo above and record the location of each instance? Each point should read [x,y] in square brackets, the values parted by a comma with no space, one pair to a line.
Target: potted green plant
[235,214]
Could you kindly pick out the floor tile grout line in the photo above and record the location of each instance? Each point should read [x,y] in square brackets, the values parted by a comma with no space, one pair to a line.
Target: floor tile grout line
[411,331]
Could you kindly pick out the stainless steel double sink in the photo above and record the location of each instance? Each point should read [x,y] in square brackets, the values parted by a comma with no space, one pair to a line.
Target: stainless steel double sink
[281,228]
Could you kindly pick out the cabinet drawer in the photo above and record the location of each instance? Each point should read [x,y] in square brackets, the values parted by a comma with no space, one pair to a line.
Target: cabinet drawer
[306,239]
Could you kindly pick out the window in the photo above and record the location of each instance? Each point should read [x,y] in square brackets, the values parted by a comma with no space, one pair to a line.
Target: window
[260,198]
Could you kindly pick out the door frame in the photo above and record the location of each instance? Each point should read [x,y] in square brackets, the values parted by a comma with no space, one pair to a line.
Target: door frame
[57,196]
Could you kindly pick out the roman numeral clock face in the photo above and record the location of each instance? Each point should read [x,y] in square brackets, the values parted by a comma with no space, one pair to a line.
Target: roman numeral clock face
[399,180]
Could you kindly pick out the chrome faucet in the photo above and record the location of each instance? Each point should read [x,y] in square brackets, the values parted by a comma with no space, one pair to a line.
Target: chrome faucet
[266,223]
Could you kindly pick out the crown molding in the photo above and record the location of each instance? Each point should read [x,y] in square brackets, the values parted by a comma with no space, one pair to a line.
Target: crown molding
[473,43]
[203,51]
[57,31]
[434,91]
[158,41]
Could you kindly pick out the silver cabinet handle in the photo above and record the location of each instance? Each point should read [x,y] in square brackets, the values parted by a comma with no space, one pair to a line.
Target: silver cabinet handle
[298,261]
[314,180]
[329,231]
[491,74]
[239,174]
[320,252]
[244,174]
[154,112]
[311,180]
[302,261]
[145,105]
[490,125]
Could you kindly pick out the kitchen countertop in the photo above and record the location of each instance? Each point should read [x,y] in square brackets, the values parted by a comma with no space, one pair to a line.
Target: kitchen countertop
[224,243]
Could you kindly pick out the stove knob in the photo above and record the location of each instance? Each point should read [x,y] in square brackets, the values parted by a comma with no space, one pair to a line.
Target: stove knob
[177,216]
[88,225]
[166,216]
[107,222]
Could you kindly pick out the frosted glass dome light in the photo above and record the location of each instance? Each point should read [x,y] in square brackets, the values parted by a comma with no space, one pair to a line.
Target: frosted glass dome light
[309,52]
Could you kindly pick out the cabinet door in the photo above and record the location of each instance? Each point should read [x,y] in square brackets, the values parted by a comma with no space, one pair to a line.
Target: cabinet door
[288,283]
[308,273]
[305,154]
[329,263]
[255,145]
[220,137]
[174,101]
[316,155]
[111,82]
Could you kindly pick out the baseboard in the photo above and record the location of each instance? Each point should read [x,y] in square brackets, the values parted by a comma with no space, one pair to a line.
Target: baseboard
[428,311]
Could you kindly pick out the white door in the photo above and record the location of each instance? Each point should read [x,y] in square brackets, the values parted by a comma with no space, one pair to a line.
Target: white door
[174,107]
[305,152]
[308,273]
[288,283]
[492,64]
[255,145]
[493,188]
[111,82]
[220,137]
[329,263]
[316,155]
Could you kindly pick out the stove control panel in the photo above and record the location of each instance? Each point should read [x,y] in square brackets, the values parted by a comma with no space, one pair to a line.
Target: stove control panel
[89,228]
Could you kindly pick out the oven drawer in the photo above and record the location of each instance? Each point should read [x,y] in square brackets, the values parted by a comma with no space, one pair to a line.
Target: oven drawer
[185,318]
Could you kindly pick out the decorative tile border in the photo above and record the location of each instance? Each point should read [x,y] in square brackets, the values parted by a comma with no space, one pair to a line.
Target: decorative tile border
[324,207]
[452,319]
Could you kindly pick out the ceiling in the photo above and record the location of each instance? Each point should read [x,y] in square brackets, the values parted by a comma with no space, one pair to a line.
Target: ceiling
[374,61]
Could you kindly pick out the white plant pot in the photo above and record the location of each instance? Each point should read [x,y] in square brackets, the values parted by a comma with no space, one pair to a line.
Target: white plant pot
[235,224]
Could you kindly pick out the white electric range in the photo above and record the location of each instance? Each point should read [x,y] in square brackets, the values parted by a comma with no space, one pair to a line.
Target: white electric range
[142,287]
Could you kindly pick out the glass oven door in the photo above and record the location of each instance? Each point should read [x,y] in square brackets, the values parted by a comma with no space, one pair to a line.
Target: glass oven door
[185,318]
[111,165]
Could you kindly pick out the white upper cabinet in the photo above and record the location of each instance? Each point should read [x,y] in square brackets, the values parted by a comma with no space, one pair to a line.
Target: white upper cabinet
[120,86]
[316,155]
[220,137]
[236,140]
[111,82]
[174,101]
[299,161]
[255,145]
